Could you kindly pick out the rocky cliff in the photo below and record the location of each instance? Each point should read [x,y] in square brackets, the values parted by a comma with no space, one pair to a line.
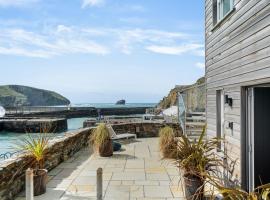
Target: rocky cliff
[171,99]
[14,95]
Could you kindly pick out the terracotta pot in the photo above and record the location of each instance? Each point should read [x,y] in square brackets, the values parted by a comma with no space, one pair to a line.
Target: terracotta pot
[106,150]
[40,181]
[194,189]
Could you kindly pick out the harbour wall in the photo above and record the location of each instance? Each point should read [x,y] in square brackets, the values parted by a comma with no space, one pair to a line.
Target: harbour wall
[33,125]
[12,171]
[74,112]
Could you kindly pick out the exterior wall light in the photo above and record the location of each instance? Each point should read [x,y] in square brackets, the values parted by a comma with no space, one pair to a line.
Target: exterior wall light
[231,125]
[228,100]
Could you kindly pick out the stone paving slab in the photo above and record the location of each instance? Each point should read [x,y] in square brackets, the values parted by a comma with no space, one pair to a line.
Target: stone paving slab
[135,173]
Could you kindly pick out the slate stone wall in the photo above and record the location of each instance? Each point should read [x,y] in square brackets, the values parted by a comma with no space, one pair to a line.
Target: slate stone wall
[147,129]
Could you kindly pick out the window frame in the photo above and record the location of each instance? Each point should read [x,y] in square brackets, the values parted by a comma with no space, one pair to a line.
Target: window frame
[220,9]
[218,15]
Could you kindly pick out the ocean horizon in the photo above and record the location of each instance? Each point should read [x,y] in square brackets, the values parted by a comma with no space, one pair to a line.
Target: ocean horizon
[113,105]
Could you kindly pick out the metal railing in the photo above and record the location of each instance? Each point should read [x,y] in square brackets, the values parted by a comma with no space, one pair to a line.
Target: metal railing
[190,100]
[181,111]
[8,155]
[194,98]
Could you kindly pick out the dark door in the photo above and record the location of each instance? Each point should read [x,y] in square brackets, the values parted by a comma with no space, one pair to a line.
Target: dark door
[261,135]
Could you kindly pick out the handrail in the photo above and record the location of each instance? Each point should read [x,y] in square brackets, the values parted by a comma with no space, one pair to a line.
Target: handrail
[7,155]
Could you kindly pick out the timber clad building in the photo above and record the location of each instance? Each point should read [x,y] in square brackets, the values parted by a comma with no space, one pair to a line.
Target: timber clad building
[238,83]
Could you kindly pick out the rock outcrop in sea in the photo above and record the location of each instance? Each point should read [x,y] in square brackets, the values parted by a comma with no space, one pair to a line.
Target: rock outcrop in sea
[121,102]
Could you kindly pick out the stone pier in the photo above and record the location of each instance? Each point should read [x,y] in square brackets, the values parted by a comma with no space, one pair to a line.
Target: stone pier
[33,125]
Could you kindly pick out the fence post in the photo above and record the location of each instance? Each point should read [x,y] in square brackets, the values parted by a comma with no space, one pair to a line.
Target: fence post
[99,184]
[29,185]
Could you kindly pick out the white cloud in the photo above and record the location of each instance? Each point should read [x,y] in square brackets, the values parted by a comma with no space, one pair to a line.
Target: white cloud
[200,65]
[30,44]
[63,29]
[129,39]
[16,3]
[63,40]
[92,3]
[174,50]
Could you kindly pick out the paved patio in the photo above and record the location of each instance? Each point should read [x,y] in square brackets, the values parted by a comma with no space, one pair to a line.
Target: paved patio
[135,173]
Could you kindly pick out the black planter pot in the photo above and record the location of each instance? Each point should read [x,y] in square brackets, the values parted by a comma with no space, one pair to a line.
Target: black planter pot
[40,181]
[194,187]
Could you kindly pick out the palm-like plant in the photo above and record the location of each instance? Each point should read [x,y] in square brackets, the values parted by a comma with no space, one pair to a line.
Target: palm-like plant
[36,147]
[196,158]
[236,193]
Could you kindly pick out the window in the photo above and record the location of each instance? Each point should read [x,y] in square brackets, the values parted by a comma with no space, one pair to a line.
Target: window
[220,9]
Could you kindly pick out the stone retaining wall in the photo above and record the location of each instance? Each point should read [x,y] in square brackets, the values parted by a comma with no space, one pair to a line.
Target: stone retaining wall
[12,171]
[146,129]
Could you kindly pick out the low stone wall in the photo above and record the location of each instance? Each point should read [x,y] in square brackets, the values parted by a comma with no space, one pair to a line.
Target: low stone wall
[146,129]
[34,125]
[12,171]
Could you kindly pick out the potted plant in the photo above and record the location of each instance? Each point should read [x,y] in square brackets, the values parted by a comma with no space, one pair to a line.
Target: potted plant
[101,140]
[196,159]
[36,147]
[167,142]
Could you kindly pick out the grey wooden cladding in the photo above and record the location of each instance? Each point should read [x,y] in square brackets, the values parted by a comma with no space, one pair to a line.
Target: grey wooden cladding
[237,54]
[238,50]
[245,10]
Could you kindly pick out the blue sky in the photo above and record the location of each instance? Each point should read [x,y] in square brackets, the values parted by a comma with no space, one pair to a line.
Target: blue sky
[102,50]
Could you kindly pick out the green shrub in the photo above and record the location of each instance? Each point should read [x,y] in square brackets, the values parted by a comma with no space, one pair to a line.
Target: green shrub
[100,135]
[167,142]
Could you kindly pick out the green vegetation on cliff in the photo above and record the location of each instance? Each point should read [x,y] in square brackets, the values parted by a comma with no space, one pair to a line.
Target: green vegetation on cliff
[171,99]
[16,95]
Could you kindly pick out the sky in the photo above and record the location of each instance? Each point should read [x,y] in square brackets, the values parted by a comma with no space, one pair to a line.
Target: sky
[100,51]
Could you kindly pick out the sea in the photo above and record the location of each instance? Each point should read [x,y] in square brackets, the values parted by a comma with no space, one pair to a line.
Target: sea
[8,139]
[113,105]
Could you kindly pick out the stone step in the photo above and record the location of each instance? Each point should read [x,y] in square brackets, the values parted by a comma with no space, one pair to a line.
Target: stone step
[194,130]
[195,124]
[196,113]
[196,118]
